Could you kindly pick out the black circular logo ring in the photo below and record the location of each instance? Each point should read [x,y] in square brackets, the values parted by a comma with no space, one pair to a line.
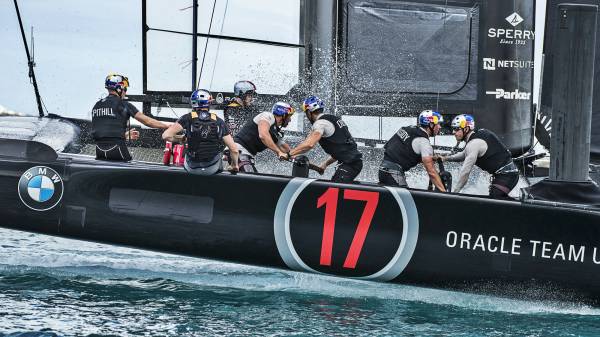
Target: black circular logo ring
[40,188]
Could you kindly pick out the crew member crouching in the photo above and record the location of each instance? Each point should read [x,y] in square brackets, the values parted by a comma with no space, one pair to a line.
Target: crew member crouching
[262,132]
[205,135]
[109,121]
[485,150]
[408,147]
[334,137]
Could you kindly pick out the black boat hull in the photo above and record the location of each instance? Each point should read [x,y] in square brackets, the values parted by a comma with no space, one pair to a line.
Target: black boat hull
[352,230]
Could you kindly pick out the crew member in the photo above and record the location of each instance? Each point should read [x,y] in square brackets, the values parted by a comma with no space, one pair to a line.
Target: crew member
[262,132]
[485,150]
[334,137]
[242,108]
[408,147]
[205,135]
[109,121]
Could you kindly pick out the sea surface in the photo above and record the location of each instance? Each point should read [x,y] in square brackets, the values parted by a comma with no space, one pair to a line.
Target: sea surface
[57,287]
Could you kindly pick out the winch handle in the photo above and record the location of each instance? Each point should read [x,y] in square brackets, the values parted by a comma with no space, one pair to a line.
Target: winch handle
[311,166]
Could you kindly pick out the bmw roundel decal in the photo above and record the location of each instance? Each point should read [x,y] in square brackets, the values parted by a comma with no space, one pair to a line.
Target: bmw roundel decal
[40,188]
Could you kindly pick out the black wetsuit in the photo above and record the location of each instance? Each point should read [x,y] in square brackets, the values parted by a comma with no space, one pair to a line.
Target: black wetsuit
[204,133]
[342,147]
[109,123]
[497,161]
[236,116]
[399,156]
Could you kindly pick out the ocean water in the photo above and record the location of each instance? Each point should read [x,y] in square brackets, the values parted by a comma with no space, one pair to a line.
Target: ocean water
[57,287]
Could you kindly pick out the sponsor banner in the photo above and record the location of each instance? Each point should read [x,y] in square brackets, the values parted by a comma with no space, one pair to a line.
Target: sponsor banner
[493,64]
[509,95]
[512,34]
[534,249]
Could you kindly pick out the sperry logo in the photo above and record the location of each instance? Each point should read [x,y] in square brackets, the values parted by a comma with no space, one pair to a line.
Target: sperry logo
[511,95]
[514,19]
[512,36]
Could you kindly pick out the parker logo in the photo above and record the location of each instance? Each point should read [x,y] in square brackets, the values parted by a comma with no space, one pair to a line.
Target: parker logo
[512,36]
[493,64]
[510,95]
[40,188]
[514,19]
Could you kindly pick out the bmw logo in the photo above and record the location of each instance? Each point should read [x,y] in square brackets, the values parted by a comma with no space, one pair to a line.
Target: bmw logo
[40,188]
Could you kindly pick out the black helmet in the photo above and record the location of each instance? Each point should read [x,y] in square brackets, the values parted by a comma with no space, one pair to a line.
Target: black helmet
[241,88]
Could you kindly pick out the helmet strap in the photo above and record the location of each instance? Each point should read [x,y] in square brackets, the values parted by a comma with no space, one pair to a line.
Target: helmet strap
[431,127]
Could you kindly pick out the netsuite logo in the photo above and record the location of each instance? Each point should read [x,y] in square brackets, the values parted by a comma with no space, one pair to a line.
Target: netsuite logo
[509,95]
[512,36]
[493,64]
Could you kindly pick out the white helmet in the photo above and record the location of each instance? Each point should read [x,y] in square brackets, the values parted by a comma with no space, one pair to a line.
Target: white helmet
[462,121]
[427,117]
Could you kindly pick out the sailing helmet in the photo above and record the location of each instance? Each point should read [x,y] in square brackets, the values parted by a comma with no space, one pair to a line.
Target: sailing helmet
[241,88]
[116,82]
[427,117]
[200,99]
[312,103]
[282,109]
[462,121]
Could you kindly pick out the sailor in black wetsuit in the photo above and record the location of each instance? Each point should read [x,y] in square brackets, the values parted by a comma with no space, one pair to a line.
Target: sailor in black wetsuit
[109,121]
[485,150]
[205,135]
[408,147]
[262,132]
[242,108]
[334,137]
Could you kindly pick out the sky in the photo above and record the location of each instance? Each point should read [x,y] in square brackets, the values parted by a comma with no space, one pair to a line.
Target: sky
[77,44]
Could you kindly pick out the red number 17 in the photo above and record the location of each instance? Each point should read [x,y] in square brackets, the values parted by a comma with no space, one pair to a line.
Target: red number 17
[330,200]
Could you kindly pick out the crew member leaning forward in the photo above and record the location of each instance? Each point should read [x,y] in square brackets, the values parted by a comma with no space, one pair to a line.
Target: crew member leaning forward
[335,139]
[485,150]
[409,146]
[109,121]
[205,135]
[262,132]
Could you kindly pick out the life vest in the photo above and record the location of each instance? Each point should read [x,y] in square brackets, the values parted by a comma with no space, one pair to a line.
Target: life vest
[399,148]
[204,137]
[236,116]
[497,154]
[341,146]
[249,138]
[109,118]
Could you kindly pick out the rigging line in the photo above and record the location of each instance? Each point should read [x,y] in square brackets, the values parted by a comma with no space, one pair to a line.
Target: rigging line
[30,63]
[206,44]
[33,61]
[336,56]
[437,101]
[212,77]
[169,105]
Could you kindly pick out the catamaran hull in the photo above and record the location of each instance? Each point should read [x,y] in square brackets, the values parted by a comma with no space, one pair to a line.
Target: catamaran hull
[351,230]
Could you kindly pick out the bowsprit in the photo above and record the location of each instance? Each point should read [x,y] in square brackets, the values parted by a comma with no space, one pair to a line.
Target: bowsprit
[40,188]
